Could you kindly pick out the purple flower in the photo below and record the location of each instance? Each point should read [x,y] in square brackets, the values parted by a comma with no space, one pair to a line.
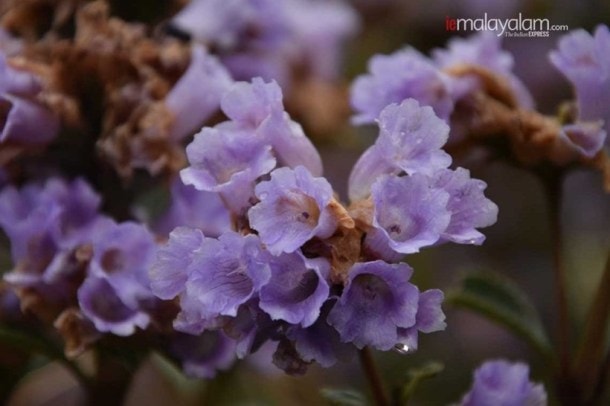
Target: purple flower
[394,78]
[44,224]
[377,300]
[411,137]
[102,304]
[503,383]
[296,290]
[429,318]
[196,96]
[293,209]
[587,137]
[409,213]
[24,120]
[585,61]
[227,162]
[122,255]
[469,207]
[194,208]
[226,273]
[169,273]
[203,355]
[257,107]
[410,140]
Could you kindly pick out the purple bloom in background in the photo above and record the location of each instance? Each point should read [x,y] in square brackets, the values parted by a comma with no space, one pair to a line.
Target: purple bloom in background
[296,290]
[122,255]
[196,96]
[321,28]
[102,304]
[587,137]
[409,213]
[377,300]
[23,119]
[265,38]
[410,140]
[293,209]
[469,207]
[482,49]
[501,383]
[394,78]
[203,355]
[429,318]
[195,208]
[44,223]
[585,61]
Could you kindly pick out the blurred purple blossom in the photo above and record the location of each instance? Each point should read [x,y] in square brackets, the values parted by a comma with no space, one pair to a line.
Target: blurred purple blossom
[504,384]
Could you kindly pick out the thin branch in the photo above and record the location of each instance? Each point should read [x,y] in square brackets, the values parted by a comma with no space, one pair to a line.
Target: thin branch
[372,375]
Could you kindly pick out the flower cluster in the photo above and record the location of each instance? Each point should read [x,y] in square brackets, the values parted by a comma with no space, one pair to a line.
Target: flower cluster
[73,264]
[292,264]
[471,86]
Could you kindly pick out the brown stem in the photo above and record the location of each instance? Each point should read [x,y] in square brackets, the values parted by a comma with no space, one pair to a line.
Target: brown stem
[372,375]
[111,382]
[554,189]
[567,388]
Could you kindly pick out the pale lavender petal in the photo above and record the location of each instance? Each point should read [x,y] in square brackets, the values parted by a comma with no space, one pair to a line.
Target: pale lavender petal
[168,274]
[196,96]
[293,208]
[369,167]
[469,207]
[227,274]
[251,103]
[411,137]
[410,212]
[289,142]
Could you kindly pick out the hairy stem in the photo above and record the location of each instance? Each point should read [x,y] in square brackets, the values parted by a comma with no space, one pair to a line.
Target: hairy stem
[372,375]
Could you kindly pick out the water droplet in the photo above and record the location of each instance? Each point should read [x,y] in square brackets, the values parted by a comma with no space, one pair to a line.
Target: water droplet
[402,349]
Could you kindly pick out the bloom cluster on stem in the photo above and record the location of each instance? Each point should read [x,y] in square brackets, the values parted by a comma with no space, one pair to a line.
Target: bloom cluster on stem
[294,265]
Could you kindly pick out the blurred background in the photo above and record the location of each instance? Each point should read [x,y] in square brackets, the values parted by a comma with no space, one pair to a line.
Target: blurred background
[518,246]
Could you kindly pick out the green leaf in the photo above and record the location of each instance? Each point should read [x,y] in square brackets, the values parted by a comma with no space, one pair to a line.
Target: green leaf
[343,397]
[500,300]
[593,342]
[417,376]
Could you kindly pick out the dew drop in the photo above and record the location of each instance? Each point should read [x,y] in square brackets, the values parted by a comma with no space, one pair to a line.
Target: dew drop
[402,349]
